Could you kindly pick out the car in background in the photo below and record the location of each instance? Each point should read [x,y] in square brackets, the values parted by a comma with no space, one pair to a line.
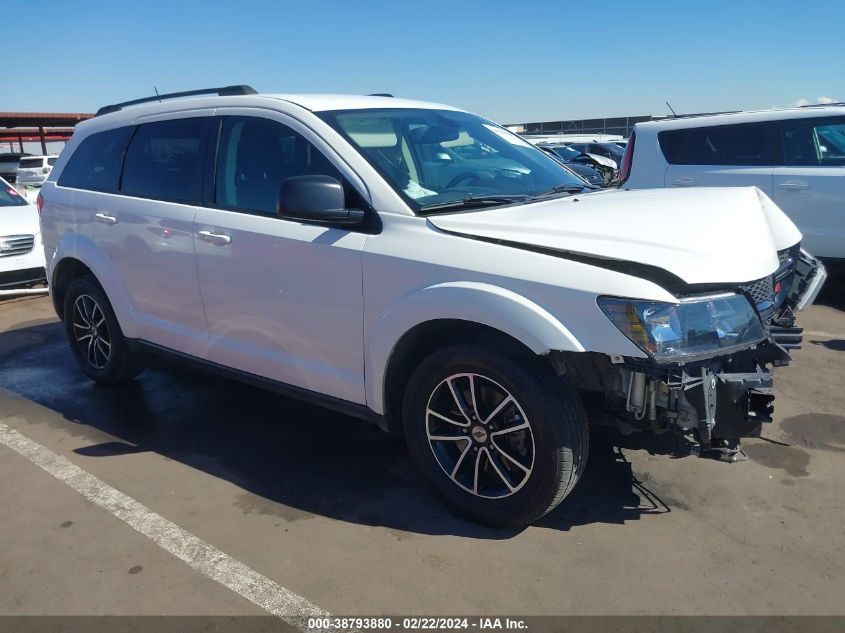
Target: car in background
[9,165]
[22,260]
[796,156]
[591,175]
[570,155]
[610,151]
[33,170]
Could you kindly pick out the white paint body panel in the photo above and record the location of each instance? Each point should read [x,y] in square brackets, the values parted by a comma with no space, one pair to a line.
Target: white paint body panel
[323,308]
[722,235]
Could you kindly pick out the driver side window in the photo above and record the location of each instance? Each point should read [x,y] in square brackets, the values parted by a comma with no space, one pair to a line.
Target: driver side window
[255,155]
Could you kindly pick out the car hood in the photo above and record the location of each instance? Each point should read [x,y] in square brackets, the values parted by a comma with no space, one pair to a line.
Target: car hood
[21,220]
[712,235]
[603,160]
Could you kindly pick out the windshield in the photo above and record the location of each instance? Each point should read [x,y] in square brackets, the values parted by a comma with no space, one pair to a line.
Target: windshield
[615,149]
[434,157]
[9,197]
[566,152]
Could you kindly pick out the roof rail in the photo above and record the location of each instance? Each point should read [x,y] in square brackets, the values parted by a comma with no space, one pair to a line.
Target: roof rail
[225,91]
[823,105]
[380,94]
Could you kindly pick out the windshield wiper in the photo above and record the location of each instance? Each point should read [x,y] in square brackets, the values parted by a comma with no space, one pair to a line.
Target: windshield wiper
[473,201]
[559,189]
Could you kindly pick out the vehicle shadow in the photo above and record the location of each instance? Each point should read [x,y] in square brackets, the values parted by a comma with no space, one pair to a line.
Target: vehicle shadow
[833,292]
[290,459]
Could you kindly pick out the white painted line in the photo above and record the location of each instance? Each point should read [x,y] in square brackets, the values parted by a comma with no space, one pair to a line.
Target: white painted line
[824,334]
[201,556]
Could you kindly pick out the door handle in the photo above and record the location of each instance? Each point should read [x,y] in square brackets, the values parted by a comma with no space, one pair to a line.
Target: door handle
[214,238]
[105,218]
[793,186]
[683,182]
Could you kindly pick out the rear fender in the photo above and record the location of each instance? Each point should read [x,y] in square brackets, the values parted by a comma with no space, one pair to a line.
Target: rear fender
[82,248]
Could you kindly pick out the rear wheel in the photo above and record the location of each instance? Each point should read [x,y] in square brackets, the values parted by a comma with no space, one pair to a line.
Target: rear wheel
[502,439]
[95,337]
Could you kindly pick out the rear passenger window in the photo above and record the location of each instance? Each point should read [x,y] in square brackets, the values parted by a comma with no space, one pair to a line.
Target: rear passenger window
[815,142]
[164,161]
[747,144]
[96,162]
[255,155]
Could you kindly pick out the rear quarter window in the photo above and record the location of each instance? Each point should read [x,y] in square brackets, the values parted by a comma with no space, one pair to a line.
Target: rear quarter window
[745,144]
[95,164]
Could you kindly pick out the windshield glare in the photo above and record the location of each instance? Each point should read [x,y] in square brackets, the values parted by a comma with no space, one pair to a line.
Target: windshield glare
[432,157]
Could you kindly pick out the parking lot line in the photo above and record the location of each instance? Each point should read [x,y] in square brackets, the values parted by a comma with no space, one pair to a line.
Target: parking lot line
[201,556]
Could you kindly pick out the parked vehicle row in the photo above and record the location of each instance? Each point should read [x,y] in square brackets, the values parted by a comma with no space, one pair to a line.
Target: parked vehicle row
[426,269]
[795,156]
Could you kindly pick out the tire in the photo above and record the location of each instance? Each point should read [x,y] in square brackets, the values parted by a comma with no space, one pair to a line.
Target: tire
[100,351]
[529,452]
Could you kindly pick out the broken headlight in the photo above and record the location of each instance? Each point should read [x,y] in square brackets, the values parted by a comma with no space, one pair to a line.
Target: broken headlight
[697,326]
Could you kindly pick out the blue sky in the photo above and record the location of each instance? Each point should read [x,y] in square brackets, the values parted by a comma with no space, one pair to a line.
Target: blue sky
[511,61]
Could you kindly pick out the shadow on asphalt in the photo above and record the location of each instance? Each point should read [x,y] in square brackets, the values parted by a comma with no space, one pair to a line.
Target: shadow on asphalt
[292,460]
[833,292]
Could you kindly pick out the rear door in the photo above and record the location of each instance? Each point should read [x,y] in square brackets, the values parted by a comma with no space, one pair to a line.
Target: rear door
[720,156]
[283,298]
[146,231]
[810,185]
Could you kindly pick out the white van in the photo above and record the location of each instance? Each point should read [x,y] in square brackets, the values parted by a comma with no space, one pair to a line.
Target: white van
[796,156]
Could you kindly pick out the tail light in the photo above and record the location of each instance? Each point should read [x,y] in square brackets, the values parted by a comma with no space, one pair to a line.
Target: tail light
[625,170]
[39,202]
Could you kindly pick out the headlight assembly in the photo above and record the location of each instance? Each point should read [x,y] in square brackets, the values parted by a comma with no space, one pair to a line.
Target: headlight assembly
[695,327]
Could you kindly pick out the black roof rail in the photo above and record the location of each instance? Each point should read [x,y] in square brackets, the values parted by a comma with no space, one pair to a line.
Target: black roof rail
[823,105]
[225,91]
[380,94]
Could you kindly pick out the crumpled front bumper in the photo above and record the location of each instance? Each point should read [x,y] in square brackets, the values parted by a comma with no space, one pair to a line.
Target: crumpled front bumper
[807,281]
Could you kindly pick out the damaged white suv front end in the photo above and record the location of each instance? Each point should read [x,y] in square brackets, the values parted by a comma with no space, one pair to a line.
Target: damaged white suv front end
[733,263]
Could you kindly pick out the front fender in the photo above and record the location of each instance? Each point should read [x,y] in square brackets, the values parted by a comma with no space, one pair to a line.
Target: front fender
[489,305]
[82,248]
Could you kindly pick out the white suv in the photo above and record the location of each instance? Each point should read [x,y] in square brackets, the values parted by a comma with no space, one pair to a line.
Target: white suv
[796,156]
[424,268]
[34,170]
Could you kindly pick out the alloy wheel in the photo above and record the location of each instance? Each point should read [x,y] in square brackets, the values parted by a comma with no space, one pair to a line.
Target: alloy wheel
[480,436]
[93,339]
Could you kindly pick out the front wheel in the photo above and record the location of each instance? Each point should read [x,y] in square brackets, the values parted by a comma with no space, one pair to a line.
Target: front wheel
[501,438]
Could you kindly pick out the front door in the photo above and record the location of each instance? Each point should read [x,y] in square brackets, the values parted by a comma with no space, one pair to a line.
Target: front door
[283,299]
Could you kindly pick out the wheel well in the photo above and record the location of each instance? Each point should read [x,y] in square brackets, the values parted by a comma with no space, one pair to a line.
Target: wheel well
[423,339]
[68,270]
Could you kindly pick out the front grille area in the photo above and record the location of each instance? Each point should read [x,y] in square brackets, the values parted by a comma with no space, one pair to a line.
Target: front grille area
[760,291]
[11,245]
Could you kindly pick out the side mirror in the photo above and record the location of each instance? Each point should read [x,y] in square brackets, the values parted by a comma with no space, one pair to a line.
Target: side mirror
[315,199]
